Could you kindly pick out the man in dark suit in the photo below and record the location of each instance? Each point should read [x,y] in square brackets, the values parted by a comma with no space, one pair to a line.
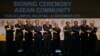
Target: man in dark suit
[56,37]
[19,27]
[84,37]
[67,37]
[28,38]
[9,38]
[47,37]
[75,39]
[38,38]
[92,39]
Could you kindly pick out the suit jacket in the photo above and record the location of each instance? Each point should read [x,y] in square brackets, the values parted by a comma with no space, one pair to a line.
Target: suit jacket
[9,32]
[19,32]
[29,29]
[48,32]
[56,35]
[84,29]
[92,34]
[76,30]
[38,34]
[67,34]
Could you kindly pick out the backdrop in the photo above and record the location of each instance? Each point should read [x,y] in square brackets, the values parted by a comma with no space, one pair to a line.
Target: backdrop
[60,21]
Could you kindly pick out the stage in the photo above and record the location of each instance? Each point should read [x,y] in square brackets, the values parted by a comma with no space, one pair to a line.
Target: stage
[3,50]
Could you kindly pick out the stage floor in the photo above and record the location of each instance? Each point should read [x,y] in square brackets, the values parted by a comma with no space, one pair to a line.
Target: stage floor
[4,53]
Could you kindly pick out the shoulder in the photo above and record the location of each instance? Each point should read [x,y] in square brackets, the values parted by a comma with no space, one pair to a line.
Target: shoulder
[87,25]
[43,24]
[50,25]
[95,27]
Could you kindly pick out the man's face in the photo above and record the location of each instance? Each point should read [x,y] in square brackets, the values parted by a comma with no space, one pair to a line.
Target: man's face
[91,23]
[19,21]
[46,22]
[56,24]
[28,21]
[84,22]
[67,23]
[75,23]
[37,22]
[8,22]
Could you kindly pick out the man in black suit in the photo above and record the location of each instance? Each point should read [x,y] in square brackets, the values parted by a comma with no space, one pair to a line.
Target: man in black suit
[9,38]
[47,37]
[28,29]
[92,39]
[19,27]
[84,37]
[67,38]
[56,37]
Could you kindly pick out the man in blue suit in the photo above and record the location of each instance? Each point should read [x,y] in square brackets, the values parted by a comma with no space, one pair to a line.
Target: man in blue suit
[38,37]
[75,39]
[67,37]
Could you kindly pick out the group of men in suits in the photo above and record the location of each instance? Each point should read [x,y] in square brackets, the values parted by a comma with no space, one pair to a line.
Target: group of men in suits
[80,37]
[72,36]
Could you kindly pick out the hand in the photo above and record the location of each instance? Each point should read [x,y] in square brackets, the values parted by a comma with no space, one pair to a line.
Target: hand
[81,31]
[89,31]
[72,33]
[23,39]
[54,31]
[50,30]
[33,32]
[17,28]
[64,30]
[42,39]
[43,31]
[25,31]
[51,39]
[14,39]
[33,39]
[8,28]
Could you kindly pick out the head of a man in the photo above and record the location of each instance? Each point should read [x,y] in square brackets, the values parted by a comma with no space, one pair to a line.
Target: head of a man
[67,23]
[28,21]
[47,21]
[84,22]
[91,23]
[37,22]
[75,23]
